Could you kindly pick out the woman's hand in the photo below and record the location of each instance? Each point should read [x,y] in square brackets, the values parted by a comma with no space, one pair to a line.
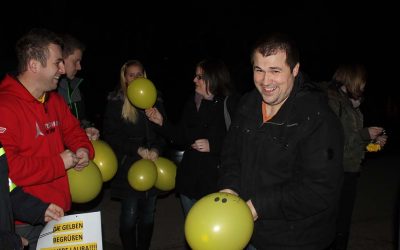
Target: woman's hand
[374,132]
[381,140]
[153,154]
[155,116]
[148,154]
[201,145]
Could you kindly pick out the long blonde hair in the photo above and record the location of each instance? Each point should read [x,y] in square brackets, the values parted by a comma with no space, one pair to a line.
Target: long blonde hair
[129,112]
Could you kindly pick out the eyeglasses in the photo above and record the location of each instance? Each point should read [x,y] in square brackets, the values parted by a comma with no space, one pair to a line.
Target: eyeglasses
[199,77]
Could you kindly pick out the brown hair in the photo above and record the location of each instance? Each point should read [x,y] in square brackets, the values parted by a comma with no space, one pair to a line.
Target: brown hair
[35,45]
[353,77]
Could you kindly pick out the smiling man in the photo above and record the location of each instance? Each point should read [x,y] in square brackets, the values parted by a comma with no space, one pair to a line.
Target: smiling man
[283,153]
[40,135]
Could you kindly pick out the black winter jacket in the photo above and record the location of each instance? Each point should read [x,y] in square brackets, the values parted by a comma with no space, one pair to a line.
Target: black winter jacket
[125,138]
[16,204]
[197,174]
[290,167]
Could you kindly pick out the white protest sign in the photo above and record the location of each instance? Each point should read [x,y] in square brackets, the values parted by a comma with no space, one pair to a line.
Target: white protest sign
[72,232]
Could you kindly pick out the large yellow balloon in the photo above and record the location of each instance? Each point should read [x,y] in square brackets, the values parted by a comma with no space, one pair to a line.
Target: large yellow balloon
[85,185]
[219,221]
[142,175]
[105,159]
[166,172]
[142,93]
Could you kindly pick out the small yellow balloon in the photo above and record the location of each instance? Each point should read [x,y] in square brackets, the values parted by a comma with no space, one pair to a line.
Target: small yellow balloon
[219,221]
[105,159]
[142,93]
[86,184]
[142,175]
[166,172]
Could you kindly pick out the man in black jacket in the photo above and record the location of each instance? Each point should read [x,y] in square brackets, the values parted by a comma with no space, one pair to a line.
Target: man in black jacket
[283,153]
[13,200]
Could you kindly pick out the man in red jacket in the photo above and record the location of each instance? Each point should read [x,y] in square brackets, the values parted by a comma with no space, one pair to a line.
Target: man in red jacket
[40,135]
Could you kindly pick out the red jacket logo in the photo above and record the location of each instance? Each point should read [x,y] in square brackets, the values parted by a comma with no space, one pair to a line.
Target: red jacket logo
[50,127]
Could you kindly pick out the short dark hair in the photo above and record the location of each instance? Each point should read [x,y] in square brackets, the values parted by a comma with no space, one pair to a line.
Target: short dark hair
[35,45]
[71,44]
[273,43]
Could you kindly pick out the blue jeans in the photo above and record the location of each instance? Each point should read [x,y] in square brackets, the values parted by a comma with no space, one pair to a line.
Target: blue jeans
[187,203]
[136,222]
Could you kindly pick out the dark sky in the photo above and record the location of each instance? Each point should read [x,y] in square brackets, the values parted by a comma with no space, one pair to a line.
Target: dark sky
[170,37]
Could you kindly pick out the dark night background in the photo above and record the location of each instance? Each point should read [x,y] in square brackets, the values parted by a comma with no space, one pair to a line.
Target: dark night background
[170,37]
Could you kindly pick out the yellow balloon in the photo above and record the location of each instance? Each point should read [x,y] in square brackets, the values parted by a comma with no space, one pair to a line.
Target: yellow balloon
[142,93]
[85,185]
[142,175]
[105,159]
[219,221]
[166,172]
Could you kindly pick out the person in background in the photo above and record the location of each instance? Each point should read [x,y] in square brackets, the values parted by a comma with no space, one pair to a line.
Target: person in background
[283,153]
[15,203]
[201,131]
[40,135]
[129,133]
[69,84]
[345,94]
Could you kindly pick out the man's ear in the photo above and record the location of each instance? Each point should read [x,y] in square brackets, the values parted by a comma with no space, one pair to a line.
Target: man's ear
[33,65]
[296,69]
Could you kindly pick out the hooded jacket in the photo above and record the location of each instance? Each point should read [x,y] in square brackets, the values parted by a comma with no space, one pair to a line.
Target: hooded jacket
[33,135]
[289,167]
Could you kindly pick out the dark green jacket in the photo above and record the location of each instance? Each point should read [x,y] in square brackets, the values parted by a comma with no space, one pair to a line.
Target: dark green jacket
[356,136]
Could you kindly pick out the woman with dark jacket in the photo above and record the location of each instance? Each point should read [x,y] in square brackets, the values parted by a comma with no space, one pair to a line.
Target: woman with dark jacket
[201,131]
[129,133]
[345,94]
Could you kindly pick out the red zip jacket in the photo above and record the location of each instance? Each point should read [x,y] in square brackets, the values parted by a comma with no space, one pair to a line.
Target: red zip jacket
[34,134]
